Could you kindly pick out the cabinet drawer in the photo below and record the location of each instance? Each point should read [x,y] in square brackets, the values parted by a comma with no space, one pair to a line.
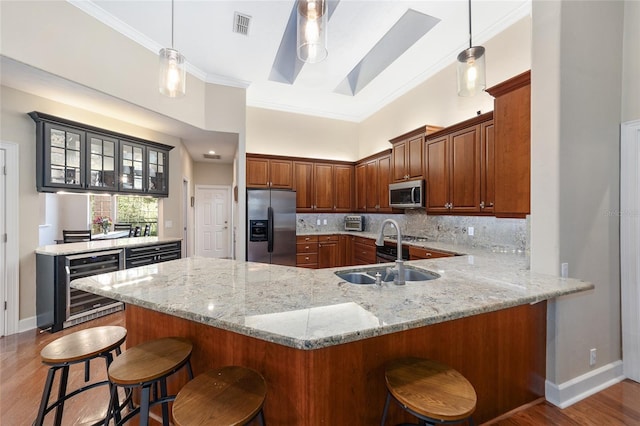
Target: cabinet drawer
[306,258]
[364,253]
[146,255]
[326,238]
[308,247]
[364,241]
[306,239]
[416,253]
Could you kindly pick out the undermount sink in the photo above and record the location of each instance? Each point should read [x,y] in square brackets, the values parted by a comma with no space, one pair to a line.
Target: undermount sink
[367,275]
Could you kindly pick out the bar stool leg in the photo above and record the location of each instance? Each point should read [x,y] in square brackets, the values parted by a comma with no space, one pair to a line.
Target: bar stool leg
[62,391]
[386,407]
[46,393]
[144,405]
[261,418]
[165,405]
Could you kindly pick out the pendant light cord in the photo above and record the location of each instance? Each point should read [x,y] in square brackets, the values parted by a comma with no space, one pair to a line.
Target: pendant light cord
[172,21]
[470,45]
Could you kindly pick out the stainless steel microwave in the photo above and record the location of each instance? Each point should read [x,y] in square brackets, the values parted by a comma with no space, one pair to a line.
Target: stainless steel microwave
[407,195]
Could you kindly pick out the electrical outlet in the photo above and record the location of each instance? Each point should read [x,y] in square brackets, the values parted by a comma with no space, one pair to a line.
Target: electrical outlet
[470,231]
[564,270]
[592,357]
[324,221]
[318,222]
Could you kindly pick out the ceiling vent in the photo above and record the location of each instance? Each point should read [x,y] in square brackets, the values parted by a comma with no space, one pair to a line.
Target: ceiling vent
[212,156]
[241,23]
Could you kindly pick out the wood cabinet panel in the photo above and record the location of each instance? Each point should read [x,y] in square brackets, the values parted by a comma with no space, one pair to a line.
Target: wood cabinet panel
[487,173]
[345,250]
[307,251]
[416,253]
[399,162]
[372,185]
[512,120]
[437,174]
[269,173]
[465,170]
[361,187]
[364,251]
[344,384]
[457,159]
[303,185]
[384,179]
[415,157]
[328,252]
[257,173]
[344,180]
[324,187]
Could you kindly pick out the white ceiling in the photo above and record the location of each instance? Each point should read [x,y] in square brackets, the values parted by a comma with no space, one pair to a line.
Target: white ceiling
[203,34]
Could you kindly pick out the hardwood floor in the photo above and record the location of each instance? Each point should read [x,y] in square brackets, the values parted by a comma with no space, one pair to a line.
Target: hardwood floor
[22,377]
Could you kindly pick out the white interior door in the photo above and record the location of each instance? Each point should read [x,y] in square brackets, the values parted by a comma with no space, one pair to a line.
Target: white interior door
[630,247]
[212,221]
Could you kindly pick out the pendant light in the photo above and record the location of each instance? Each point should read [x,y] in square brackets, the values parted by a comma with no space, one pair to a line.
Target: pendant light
[173,75]
[471,67]
[311,43]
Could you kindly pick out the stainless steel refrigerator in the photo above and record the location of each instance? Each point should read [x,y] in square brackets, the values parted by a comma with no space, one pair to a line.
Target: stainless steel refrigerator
[271,226]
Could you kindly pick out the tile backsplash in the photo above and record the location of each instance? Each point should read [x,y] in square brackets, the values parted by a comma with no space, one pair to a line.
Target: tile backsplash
[489,232]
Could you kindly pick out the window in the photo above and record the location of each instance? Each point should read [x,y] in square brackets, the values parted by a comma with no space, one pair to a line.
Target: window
[136,210]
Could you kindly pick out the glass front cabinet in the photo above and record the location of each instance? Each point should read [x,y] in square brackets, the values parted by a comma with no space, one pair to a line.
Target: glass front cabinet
[80,158]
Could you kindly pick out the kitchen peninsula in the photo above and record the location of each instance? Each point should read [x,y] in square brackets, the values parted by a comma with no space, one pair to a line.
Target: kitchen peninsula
[321,343]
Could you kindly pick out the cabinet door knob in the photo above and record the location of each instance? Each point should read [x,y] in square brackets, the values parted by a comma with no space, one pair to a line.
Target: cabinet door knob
[482,204]
[490,204]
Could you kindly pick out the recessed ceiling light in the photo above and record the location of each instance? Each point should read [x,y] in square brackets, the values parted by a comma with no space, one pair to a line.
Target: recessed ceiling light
[212,152]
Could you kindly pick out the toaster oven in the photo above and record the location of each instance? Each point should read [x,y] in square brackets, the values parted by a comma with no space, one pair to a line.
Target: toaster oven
[354,223]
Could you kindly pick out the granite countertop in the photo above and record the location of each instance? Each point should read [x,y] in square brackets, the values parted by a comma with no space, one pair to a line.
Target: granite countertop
[309,309]
[100,245]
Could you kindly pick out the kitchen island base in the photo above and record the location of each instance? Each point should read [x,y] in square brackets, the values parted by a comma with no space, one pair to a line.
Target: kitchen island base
[502,354]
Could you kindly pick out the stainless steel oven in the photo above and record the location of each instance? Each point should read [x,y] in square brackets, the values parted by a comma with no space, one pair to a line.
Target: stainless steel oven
[389,252]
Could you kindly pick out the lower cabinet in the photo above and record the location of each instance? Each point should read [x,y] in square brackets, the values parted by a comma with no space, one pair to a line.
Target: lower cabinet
[416,253]
[307,251]
[364,251]
[153,253]
[328,251]
[345,250]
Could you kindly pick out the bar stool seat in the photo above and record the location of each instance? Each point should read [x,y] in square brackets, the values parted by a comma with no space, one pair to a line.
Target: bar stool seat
[145,365]
[433,392]
[80,346]
[230,395]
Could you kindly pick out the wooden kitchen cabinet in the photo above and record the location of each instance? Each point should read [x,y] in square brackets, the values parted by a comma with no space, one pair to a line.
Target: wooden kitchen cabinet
[373,175]
[328,251]
[512,118]
[265,172]
[487,168]
[303,185]
[307,251]
[345,250]
[454,166]
[416,253]
[407,158]
[364,251]
[344,179]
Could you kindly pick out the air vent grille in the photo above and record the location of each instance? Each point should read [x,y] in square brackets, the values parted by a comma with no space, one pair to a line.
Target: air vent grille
[241,23]
[212,156]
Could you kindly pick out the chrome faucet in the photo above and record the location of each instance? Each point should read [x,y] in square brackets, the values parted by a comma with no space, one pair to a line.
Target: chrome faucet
[398,271]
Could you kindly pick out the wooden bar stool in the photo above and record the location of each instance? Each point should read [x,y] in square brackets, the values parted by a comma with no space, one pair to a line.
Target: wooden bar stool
[80,346]
[145,366]
[227,396]
[435,393]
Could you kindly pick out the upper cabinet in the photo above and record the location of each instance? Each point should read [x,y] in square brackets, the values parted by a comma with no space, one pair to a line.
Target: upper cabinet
[408,155]
[373,175]
[512,134]
[457,162]
[80,158]
[265,172]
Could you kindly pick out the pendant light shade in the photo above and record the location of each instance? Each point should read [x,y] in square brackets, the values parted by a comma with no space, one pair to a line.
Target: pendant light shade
[173,74]
[471,67]
[311,43]
[172,77]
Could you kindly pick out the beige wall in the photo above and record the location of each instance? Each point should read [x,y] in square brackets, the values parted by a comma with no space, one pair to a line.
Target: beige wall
[631,62]
[18,127]
[435,101]
[298,135]
[212,174]
[579,99]
[67,42]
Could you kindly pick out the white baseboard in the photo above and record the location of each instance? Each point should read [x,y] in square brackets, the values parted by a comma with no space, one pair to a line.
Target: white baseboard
[568,393]
[27,324]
